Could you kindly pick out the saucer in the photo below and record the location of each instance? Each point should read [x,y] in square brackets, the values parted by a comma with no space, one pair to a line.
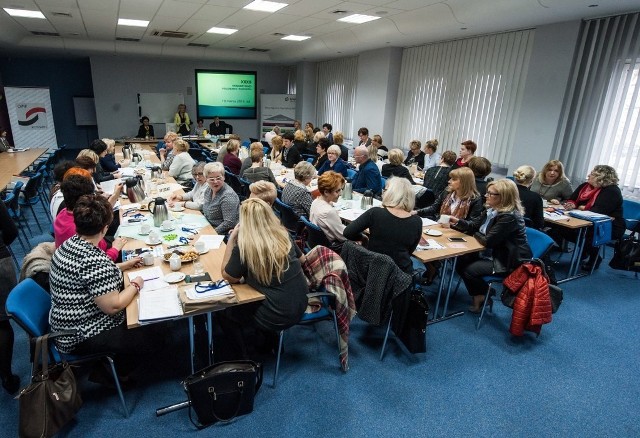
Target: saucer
[168,229]
[174,277]
[177,209]
[203,252]
[144,234]
[434,233]
[149,242]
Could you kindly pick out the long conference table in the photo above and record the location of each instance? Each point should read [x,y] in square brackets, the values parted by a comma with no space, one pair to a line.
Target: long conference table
[211,261]
[12,163]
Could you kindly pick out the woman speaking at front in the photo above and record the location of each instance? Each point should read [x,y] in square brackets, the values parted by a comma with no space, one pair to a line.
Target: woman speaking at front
[260,251]
[503,233]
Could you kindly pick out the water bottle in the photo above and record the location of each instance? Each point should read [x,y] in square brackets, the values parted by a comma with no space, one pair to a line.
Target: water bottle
[347,192]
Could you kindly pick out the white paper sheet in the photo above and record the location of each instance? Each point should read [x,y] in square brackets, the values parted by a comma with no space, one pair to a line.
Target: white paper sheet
[153,278]
[159,304]
[212,241]
[193,295]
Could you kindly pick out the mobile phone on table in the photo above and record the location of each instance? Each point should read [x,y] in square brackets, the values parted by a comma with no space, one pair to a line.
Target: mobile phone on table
[456,239]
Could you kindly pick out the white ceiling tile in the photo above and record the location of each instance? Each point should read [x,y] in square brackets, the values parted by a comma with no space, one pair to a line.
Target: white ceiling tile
[304,8]
[178,9]
[100,5]
[214,14]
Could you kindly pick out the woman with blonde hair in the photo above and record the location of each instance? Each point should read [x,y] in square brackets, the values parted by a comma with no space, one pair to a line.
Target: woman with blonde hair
[295,192]
[501,230]
[393,230]
[276,149]
[531,201]
[260,250]
[395,167]
[431,157]
[182,163]
[108,161]
[552,184]
[415,155]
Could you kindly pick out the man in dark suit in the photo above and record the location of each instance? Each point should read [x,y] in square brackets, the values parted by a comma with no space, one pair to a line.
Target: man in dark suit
[218,127]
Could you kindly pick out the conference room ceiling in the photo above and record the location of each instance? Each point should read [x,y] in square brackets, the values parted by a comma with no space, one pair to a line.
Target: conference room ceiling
[89,27]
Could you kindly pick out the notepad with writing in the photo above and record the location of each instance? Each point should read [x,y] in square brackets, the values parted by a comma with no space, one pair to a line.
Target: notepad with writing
[159,304]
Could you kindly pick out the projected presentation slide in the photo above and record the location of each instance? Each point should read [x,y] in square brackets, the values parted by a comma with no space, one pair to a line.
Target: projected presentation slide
[227,94]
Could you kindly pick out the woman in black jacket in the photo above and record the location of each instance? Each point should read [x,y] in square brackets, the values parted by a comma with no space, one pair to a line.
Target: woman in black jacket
[502,231]
[600,194]
[531,201]
[8,232]
[395,167]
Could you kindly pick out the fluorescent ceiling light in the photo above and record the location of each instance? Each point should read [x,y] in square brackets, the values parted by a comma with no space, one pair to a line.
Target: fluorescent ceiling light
[265,6]
[358,18]
[24,13]
[295,38]
[136,23]
[222,30]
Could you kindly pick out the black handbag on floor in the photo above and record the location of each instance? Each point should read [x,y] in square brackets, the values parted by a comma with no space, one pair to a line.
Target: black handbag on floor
[51,400]
[222,391]
[626,255]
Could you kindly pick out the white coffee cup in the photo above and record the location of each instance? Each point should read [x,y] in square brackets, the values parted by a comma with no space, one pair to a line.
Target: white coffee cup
[444,219]
[201,246]
[147,259]
[154,237]
[145,229]
[168,224]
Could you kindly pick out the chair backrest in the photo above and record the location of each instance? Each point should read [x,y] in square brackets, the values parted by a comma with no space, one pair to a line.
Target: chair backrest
[28,304]
[539,242]
[289,217]
[315,235]
[631,214]
[310,160]
[234,182]
[351,174]
[31,188]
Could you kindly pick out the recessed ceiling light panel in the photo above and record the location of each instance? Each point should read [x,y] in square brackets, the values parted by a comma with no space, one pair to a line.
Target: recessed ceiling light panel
[358,18]
[135,23]
[24,13]
[296,38]
[222,30]
[265,6]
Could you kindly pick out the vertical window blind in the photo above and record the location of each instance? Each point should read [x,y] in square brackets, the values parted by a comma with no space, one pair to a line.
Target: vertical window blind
[600,123]
[292,80]
[464,89]
[336,94]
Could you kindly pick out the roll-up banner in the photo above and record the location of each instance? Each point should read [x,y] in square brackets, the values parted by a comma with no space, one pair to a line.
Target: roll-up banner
[277,110]
[31,117]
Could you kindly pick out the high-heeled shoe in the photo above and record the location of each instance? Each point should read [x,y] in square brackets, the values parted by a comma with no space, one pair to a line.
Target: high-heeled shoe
[11,384]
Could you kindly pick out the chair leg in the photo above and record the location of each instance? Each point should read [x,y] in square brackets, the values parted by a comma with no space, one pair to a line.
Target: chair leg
[335,326]
[117,382]
[275,372]
[35,216]
[13,255]
[484,306]
[386,336]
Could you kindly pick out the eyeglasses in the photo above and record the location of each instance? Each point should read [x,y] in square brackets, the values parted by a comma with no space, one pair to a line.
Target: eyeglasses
[202,288]
[197,174]
[215,178]
[332,153]
[492,194]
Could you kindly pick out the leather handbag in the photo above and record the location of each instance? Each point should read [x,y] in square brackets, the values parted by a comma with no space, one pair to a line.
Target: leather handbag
[51,400]
[626,255]
[223,391]
[414,330]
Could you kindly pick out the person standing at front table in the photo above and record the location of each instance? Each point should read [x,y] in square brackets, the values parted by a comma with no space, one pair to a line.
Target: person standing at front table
[182,121]
[368,176]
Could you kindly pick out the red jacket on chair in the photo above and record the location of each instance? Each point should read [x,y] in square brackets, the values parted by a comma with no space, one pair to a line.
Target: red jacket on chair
[532,306]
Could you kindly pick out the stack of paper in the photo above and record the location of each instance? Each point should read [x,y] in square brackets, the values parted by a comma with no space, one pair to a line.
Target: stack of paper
[555,216]
[193,295]
[431,244]
[211,241]
[153,278]
[159,304]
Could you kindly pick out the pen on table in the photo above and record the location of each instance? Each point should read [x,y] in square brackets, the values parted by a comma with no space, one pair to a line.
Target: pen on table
[149,279]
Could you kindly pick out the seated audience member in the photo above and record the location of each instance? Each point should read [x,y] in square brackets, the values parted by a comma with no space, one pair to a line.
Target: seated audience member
[277,145]
[145,130]
[415,155]
[308,138]
[257,171]
[221,203]
[436,178]
[311,147]
[296,125]
[167,154]
[291,154]
[219,127]
[334,162]
[393,230]
[55,196]
[182,163]
[431,157]
[326,130]
[600,194]
[338,140]
[382,149]
[269,135]
[461,201]
[368,176]
[296,193]
[323,214]
[467,149]
[552,184]
[231,160]
[64,227]
[261,251]
[481,168]
[246,163]
[373,156]
[321,152]
[531,201]
[500,229]
[108,161]
[395,166]
[88,293]
[194,199]
[4,143]
[8,233]
[199,131]
[363,135]
[300,140]
[100,148]
[264,190]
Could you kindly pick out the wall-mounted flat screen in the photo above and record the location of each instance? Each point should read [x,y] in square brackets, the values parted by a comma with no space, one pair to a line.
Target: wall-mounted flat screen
[225,93]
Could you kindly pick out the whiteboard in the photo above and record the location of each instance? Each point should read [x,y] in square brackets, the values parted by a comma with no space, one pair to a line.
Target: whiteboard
[159,107]
[85,111]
